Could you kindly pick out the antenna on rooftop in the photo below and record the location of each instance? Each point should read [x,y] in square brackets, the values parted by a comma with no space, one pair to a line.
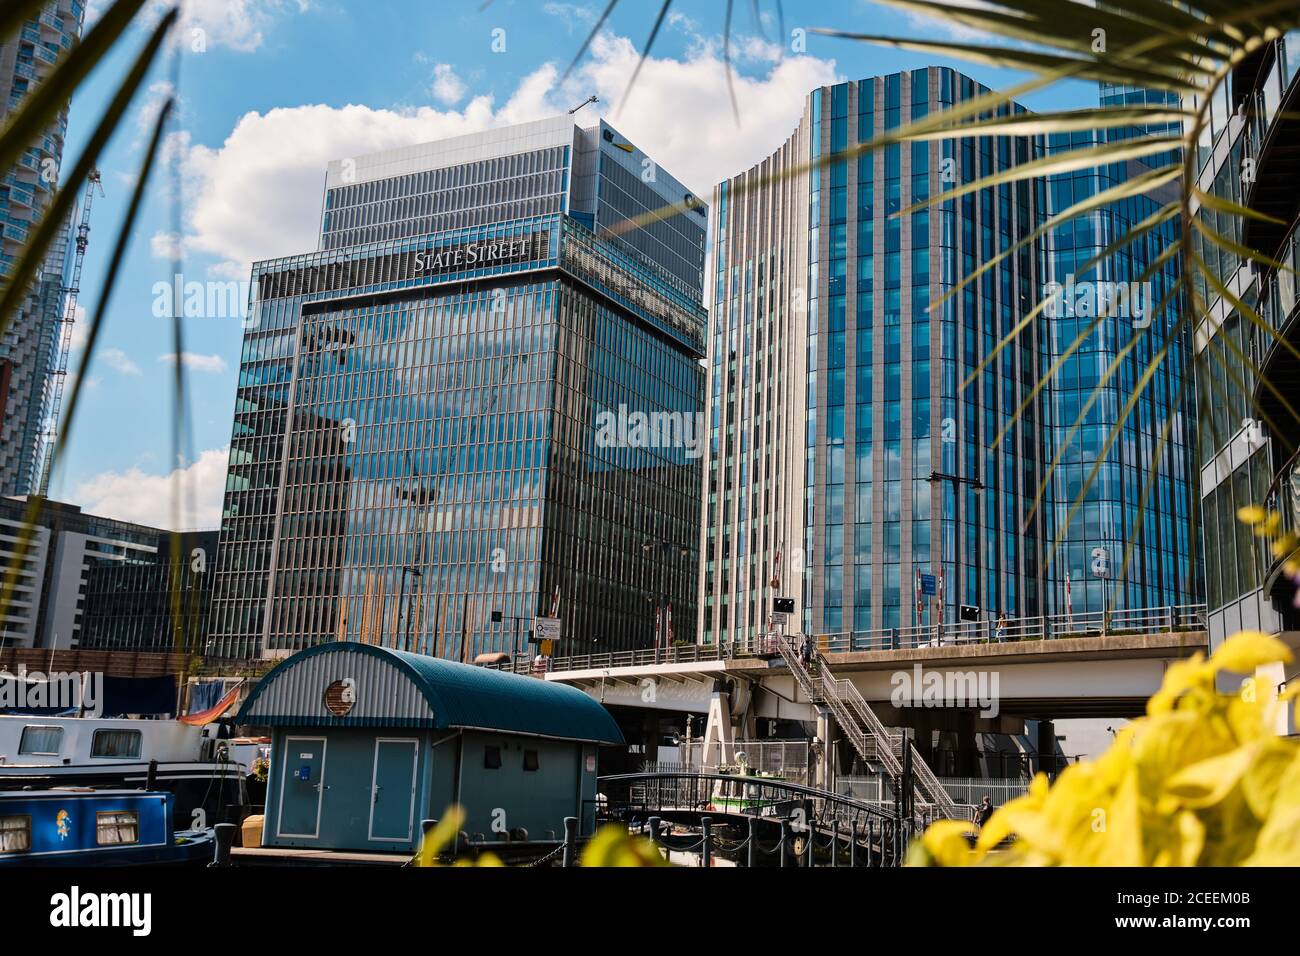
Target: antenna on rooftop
[591,99]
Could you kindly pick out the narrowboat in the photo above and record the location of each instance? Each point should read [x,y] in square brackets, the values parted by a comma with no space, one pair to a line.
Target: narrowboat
[80,827]
[39,753]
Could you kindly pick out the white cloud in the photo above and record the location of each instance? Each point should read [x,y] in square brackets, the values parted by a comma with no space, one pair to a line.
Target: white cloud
[210,364]
[146,113]
[939,27]
[572,13]
[258,194]
[237,24]
[77,341]
[117,360]
[448,88]
[165,245]
[187,498]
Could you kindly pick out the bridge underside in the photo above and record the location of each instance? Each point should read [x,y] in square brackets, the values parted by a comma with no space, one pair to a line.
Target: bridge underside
[956,691]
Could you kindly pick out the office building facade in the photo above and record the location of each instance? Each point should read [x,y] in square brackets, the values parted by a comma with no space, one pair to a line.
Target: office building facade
[1248,430]
[151,601]
[64,546]
[475,405]
[29,345]
[847,466]
[865,471]
[1130,542]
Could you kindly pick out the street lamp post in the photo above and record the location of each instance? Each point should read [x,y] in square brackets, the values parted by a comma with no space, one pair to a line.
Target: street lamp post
[956,480]
[667,547]
[406,610]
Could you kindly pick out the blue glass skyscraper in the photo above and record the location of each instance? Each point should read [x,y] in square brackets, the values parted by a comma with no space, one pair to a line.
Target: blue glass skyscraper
[1112,521]
[847,464]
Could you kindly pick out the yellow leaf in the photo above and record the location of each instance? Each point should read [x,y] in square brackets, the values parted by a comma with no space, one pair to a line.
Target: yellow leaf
[1246,650]
[614,846]
[443,834]
[1205,783]
[947,843]
[1181,677]
[1251,514]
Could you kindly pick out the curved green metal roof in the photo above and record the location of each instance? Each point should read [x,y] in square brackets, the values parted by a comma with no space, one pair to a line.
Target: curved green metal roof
[440,694]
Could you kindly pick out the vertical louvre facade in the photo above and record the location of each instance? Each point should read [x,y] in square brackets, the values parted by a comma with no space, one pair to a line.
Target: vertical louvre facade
[416,443]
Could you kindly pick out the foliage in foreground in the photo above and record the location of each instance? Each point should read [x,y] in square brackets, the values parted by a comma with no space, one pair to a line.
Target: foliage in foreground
[1201,780]
[611,846]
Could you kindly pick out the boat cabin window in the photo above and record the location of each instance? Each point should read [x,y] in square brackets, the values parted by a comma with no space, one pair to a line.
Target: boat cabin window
[116,743]
[530,760]
[491,758]
[117,828]
[15,834]
[41,741]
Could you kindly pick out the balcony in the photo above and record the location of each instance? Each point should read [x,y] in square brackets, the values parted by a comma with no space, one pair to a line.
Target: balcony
[1279,297]
[1283,498]
[1273,143]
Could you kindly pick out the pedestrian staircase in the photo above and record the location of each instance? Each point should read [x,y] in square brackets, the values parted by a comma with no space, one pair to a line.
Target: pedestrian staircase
[859,723]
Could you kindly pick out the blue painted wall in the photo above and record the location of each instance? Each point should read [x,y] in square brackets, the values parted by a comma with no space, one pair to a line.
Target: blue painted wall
[451,768]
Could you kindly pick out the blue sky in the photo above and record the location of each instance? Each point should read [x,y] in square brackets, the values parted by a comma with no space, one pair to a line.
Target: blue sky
[271,90]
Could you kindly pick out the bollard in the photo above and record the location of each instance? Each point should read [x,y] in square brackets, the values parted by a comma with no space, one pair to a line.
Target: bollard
[570,841]
[225,839]
[706,852]
[426,831]
[751,856]
[151,776]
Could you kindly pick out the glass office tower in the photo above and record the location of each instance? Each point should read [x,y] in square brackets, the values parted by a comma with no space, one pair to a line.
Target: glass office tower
[847,467]
[1152,457]
[844,458]
[442,413]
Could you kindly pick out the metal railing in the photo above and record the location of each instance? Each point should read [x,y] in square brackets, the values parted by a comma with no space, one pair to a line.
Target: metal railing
[966,792]
[1151,620]
[1157,620]
[859,723]
[634,798]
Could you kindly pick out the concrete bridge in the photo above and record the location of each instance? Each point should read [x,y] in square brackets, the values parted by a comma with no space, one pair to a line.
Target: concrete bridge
[862,691]
[1045,668]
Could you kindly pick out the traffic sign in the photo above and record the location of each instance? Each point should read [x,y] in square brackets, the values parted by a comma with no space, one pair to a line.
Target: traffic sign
[928,585]
[546,629]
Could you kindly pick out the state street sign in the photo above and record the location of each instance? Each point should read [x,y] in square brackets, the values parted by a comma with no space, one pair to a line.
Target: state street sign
[546,629]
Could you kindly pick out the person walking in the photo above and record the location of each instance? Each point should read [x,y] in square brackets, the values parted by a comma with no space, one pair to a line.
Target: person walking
[1000,629]
[984,812]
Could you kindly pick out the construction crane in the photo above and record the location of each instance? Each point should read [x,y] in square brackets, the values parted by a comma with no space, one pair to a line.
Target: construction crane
[70,293]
